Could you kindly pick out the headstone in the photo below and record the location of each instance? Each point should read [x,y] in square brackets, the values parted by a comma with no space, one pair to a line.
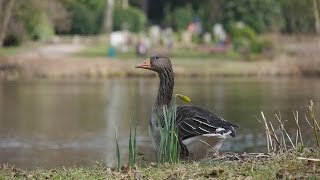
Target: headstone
[219,33]
[186,38]
[143,45]
[155,35]
[207,38]
[167,37]
[120,40]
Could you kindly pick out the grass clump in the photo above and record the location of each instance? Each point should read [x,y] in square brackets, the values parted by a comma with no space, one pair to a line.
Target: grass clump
[270,166]
[169,149]
[132,146]
[280,141]
[118,154]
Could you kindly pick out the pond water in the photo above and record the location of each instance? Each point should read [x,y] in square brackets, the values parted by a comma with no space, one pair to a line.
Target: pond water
[70,123]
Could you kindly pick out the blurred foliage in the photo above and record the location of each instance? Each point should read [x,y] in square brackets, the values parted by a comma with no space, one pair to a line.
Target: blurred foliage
[29,21]
[246,41]
[180,17]
[36,21]
[132,19]
[294,16]
[87,16]
[41,19]
[240,30]
[298,16]
[83,21]
[261,15]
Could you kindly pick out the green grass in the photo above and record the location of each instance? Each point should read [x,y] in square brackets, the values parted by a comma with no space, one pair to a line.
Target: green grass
[274,166]
[169,150]
[133,146]
[14,50]
[118,155]
[100,50]
[10,50]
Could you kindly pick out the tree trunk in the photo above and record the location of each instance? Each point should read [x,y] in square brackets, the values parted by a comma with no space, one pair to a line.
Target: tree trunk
[125,4]
[316,15]
[5,16]
[108,17]
[145,7]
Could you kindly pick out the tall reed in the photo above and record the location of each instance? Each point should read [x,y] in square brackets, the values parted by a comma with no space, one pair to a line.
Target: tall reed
[132,146]
[118,155]
[315,125]
[168,149]
[279,140]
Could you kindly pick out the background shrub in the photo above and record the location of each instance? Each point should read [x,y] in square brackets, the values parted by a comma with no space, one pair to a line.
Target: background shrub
[86,15]
[132,19]
[180,17]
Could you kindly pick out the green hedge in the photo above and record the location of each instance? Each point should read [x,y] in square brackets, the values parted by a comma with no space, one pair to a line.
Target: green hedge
[85,20]
[131,18]
[245,40]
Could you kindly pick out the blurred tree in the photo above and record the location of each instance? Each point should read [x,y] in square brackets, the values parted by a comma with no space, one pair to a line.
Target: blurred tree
[132,19]
[180,17]
[316,11]
[298,16]
[142,4]
[87,16]
[261,15]
[212,13]
[108,17]
[36,20]
[59,16]
[6,7]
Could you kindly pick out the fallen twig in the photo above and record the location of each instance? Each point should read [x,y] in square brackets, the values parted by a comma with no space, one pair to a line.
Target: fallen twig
[309,159]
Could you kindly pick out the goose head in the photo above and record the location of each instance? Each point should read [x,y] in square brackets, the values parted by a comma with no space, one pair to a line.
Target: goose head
[156,63]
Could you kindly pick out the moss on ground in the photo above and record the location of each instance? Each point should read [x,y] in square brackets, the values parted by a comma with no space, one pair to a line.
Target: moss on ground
[273,166]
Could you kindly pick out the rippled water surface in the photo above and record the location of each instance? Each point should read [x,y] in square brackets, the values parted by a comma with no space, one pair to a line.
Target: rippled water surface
[70,123]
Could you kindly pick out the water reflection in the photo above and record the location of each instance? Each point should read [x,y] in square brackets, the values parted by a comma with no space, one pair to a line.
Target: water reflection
[54,124]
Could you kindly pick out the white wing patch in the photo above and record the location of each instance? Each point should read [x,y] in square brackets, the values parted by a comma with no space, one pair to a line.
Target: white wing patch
[220,129]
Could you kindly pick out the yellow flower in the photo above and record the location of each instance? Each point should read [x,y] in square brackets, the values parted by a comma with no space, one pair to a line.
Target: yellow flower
[183,98]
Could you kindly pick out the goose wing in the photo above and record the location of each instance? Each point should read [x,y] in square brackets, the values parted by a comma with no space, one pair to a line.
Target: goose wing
[194,121]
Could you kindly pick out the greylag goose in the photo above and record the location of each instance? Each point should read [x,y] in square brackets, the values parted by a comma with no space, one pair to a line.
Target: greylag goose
[200,132]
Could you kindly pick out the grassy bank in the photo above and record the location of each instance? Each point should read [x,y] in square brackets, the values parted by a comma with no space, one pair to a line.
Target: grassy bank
[228,166]
[14,50]
[93,68]
[100,50]
[68,61]
[293,57]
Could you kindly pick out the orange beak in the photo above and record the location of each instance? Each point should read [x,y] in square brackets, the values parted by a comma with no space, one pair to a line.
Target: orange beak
[145,65]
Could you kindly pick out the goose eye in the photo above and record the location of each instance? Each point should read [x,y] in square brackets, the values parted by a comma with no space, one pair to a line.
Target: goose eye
[156,57]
